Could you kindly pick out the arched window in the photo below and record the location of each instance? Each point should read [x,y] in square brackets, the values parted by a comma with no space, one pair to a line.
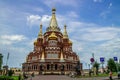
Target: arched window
[67,67]
[62,68]
[55,66]
[48,67]
[41,67]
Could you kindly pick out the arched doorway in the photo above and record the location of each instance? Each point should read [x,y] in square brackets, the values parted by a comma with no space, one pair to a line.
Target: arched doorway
[56,66]
[62,69]
[48,66]
[41,69]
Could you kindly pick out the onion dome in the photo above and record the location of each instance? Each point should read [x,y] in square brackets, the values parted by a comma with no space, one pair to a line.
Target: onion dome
[35,42]
[52,36]
[70,42]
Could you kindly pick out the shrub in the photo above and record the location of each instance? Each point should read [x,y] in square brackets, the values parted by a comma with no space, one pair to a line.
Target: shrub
[6,78]
[10,73]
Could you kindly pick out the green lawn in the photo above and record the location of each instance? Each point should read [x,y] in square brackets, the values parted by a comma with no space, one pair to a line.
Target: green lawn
[99,75]
[9,77]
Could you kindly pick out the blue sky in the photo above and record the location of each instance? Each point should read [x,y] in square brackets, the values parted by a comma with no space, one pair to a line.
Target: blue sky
[92,25]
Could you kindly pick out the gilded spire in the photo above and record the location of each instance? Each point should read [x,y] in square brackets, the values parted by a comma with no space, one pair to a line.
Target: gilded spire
[65,35]
[53,22]
[40,33]
[53,26]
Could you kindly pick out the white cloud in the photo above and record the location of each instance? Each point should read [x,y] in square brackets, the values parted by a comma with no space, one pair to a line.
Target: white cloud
[36,20]
[6,42]
[33,19]
[99,36]
[77,46]
[45,20]
[9,39]
[114,43]
[13,37]
[108,49]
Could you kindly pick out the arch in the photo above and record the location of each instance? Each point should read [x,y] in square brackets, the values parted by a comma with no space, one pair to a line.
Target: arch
[41,69]
[62,68]
[48,67]
[67,67]
[56,66]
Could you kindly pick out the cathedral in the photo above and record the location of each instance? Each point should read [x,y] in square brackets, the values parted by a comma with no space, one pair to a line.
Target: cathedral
[52,53]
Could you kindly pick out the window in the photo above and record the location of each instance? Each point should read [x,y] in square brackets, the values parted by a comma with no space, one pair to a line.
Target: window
[34,58]
[70,58]
[55,66]
[48,67]
[52,43]
[51,55]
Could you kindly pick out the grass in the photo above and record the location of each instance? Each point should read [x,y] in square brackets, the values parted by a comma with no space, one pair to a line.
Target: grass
[99,75]
[13,77]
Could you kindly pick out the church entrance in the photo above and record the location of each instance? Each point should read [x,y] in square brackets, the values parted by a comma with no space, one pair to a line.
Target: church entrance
[51,68]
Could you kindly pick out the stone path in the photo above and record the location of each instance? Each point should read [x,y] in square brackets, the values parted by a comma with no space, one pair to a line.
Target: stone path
[63,77]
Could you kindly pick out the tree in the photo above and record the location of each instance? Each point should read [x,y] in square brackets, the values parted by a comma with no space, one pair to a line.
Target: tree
[10,73]
[96,65]
[77,68]
[111,65]
[118,66]
[1,57]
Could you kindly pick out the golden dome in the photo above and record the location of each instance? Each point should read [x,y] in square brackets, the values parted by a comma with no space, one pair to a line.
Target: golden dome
[52,36]
[70,42]
[35,42]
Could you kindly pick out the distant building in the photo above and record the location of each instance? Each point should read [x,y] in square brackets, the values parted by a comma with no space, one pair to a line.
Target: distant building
[52,52]
[16,71]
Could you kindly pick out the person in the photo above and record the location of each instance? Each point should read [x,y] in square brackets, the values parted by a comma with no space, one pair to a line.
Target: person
[110,75]
[24,76]
[32,74]
[90,73]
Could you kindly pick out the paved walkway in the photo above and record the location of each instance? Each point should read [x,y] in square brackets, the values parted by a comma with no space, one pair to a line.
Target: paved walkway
[63,77]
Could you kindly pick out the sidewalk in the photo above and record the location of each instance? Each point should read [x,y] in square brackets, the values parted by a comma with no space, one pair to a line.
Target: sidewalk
[63,77]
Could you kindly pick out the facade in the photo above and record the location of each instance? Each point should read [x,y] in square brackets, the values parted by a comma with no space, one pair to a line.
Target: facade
[17,71]
[52,52]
